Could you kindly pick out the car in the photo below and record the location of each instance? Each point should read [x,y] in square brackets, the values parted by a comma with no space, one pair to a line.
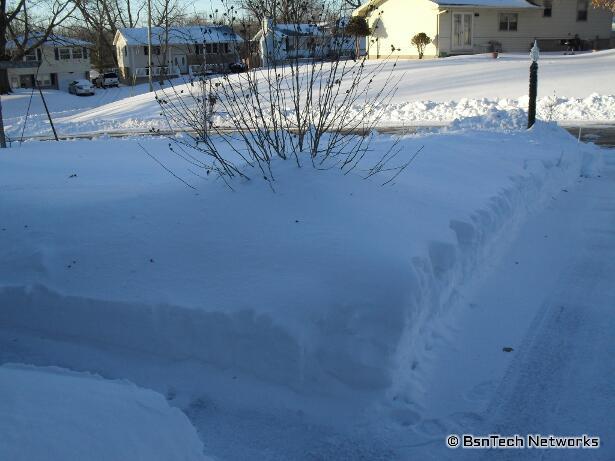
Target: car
[81,87]
[237,67]
[107,79]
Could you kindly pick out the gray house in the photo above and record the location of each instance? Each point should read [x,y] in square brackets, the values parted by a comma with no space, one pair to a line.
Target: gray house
[175,51]
[54,64]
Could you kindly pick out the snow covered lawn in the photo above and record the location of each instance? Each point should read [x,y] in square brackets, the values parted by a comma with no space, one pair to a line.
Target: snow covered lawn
[572,89]
[331,288]
[57,414]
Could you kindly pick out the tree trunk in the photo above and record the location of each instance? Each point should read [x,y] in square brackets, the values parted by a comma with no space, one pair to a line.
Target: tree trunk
[5,86]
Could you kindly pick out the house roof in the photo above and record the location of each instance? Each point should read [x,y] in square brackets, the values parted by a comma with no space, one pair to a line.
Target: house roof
[295,30]
[52,39]
[487,3]
[179,35]
[370,4]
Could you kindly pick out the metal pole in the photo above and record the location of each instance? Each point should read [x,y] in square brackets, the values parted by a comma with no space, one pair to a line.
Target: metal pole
[2,137]
[149,44]
[531,110]
[53,128]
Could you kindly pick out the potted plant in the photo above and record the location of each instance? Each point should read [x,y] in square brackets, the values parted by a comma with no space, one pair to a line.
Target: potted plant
[495,47]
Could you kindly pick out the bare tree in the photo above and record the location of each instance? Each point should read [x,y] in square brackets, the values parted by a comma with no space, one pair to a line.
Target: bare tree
[27,31]
[605,4]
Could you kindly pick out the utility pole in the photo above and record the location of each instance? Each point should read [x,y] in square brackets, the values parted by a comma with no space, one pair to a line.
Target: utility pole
[531,109]
[149,44]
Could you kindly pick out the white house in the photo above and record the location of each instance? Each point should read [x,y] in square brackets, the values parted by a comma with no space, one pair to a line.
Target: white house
[175,51]
[282,42]
[55,63]
[472,26]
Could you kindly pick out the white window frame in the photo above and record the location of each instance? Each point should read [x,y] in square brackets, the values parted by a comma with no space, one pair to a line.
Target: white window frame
[68,54]
[508,22]
[30,55]
[79,54]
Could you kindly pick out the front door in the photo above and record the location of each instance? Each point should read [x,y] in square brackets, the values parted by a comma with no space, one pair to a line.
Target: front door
[462,31]
[181,62]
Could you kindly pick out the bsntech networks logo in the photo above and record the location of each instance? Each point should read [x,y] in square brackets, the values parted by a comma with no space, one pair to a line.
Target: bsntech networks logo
[517,441]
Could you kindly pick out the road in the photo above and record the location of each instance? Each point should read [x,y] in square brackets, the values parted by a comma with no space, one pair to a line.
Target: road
[551,298]
[600,134]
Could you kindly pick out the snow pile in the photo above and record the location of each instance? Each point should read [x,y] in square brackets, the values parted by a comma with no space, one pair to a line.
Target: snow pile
[327,285]
[571,89]
[139,116]
[54,413]
[494,119]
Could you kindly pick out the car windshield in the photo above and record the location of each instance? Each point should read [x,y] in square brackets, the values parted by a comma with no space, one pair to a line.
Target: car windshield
[111,75]
[81,82]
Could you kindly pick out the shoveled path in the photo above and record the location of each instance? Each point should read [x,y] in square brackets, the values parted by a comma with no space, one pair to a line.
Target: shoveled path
[551,298]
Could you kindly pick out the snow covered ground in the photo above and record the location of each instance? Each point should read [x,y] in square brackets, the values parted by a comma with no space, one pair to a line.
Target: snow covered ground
[572,89]
[300,324]
[56,414]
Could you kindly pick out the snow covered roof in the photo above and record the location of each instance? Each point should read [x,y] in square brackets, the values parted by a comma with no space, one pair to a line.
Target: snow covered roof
[371,4]
[179,35]
[487,3]
[52,39]
[294,30]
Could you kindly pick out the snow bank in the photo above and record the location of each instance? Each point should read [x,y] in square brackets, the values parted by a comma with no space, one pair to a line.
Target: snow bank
[331,283]
[57,414]
[575,88]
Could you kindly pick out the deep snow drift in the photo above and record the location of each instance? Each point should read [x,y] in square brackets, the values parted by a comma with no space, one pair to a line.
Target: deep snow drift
[259,306]
[57,414]
[575,88]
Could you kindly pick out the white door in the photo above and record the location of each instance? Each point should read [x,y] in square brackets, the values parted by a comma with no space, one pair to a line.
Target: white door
[462,31]
[181,62]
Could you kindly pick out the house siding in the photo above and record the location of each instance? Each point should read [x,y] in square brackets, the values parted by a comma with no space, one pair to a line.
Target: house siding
[64,71]
[396,21]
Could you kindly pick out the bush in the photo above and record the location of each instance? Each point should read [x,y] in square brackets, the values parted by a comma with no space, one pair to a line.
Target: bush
[421,40]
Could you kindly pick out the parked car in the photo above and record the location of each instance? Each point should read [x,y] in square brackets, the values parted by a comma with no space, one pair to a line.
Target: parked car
[237,67]
[81,87]
[107,79]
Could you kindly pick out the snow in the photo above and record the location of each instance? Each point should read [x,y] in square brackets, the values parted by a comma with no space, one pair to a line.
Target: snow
[488,3]
[54,413]
[189,35]
[571,89]
[310,311]
[548,296]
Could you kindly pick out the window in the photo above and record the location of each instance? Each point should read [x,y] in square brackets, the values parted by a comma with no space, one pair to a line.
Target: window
[227,48]
[77,53]
[155,50]
[30,56]
[508,21]
[208,47]
[547,8]
[64,53]
[214,48]
[125,51]
[43,80]
[582,7]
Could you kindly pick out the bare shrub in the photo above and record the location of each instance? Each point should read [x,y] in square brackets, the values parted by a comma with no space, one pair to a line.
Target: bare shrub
[314,101]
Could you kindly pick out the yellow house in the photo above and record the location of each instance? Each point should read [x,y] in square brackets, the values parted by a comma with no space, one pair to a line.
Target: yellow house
[54,63]
[478,26]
